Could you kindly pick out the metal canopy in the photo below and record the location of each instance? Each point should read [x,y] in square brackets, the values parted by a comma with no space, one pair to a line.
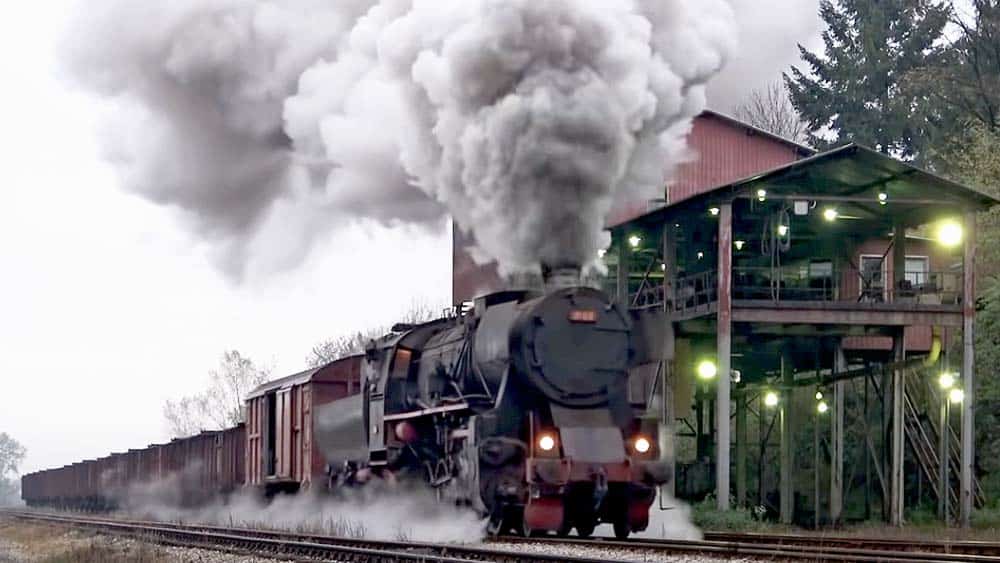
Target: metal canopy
[851,175]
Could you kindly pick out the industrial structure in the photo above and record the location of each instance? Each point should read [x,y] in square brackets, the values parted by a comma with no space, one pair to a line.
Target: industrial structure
[828,295]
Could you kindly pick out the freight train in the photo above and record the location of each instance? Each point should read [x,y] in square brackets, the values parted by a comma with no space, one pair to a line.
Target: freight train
[520,407]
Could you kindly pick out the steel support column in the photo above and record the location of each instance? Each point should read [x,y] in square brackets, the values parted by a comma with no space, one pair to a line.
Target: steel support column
[741,448]
[944,457]
[723,351]
[968,369]
[897,438]
[785,489]
[666,434]
[837,438]
[623,271]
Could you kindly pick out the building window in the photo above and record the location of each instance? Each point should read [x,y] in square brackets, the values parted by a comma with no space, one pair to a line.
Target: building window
[917,270]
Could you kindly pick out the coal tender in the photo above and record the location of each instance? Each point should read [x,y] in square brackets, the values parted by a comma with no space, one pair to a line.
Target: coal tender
[518,407]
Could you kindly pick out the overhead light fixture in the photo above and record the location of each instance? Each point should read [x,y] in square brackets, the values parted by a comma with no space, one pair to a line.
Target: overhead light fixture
[946,380]
[822,407]
[714,211]
[707,369]
[663,267]
[830,214]
[738,244]
[700,255]
[761,194]
[949,233]
[956,395]
[634,241]
[782,230]
[883,198]
[819,395]
[771,399]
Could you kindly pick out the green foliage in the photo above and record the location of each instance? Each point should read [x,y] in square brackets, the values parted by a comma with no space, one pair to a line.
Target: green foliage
[858,91]
[986,518]
[707,517]
[973,158]
[970,68]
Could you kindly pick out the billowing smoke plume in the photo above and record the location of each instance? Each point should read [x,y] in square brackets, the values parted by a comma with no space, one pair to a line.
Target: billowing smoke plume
[519,118]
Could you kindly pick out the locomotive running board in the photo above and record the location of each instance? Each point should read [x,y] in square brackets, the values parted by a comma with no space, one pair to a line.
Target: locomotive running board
[425,412]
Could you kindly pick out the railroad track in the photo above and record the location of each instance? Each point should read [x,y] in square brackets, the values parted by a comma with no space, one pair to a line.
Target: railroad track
[800,548]
[720,545]
[963,547]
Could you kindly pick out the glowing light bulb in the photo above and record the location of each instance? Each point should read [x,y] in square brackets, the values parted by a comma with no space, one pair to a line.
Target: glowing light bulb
[707,369]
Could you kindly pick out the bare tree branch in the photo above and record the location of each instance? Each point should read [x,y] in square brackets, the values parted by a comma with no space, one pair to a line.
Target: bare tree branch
[221,404]
[11,455]
[771,110]
[354,343]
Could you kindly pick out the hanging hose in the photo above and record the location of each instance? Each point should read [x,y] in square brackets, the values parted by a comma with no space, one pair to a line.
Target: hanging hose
[935,351]
[772,244]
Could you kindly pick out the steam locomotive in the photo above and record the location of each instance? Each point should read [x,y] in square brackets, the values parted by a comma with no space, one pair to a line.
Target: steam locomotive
[522,407]
[518,408]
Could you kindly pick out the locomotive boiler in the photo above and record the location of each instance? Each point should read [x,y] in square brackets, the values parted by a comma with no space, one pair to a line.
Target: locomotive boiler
[519,407]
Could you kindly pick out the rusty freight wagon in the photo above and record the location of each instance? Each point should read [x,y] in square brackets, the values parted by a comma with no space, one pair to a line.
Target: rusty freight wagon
[193,470]
[282,454]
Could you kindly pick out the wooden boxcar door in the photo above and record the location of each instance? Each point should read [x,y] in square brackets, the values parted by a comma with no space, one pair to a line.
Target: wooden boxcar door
[284,431]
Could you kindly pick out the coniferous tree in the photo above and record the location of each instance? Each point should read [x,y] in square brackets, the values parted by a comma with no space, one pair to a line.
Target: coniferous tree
[859,89]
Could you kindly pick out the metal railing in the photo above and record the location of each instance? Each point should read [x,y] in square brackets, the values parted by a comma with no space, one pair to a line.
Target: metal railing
[803,284]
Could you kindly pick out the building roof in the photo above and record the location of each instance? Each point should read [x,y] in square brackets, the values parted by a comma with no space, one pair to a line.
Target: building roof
[851,173]
[803,150]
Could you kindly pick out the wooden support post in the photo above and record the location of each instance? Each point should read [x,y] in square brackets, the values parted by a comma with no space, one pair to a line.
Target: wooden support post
[723,352]
[785,489]
[897,438]
[741,448]
[968,370]
[837,438]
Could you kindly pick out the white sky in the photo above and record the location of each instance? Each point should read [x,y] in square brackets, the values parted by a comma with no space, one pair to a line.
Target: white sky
[108,307]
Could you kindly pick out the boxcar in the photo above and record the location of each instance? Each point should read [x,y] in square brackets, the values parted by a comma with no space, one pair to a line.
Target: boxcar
[281,454]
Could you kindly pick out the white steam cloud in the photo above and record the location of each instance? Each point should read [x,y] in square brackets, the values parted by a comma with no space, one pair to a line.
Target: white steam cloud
[269,123]
[391,513]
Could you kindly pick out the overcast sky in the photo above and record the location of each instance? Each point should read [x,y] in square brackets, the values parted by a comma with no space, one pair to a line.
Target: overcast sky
[108,307]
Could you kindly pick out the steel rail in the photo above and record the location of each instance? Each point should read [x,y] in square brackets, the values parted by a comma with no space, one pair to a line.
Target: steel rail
[761,547]
[968,547]
[291,543]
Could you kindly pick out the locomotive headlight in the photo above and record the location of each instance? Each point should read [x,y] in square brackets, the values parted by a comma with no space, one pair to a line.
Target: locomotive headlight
[642,445]
[546,442]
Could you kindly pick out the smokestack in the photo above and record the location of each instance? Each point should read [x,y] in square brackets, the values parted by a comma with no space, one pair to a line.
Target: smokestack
[560,277]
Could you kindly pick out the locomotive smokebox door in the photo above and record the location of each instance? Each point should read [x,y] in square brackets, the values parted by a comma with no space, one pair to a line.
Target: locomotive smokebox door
[573,346]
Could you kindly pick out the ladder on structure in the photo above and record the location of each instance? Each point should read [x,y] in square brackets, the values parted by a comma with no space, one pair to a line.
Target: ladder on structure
[923,434]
